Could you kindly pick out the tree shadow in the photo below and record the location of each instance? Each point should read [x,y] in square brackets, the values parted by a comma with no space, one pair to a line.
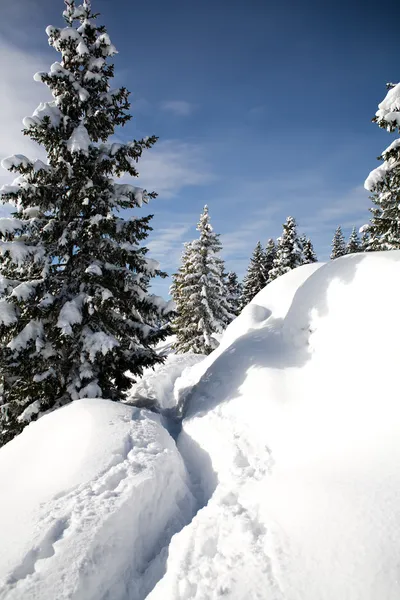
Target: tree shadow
[272,346]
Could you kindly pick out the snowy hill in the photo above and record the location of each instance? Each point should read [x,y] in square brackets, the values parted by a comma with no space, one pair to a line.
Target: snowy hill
[282,485]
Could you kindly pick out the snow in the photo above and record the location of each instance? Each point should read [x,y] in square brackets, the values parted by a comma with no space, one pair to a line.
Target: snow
[289,445]
[16,161]
[45,109]
[9,225]
[98,341]
[7,313]
[25,290]
[79,140]
[70,314]
[33,331]
[156,387]
[297,416]
[94,492]
[377,175]
[389,108]
[94,269]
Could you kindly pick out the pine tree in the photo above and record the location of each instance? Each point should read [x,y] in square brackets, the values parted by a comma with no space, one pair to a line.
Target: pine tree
[270,253]
[74,306]
[234,289]
[289,250]
[255,279]
[200,293]
[364,243]
[309,255]
[338,244]
[353,244]
[384,181]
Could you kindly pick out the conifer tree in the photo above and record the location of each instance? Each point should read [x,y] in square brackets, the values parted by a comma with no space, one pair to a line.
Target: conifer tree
[74,306]
[234,289]
[338,244]
[255,279]
[384,181]
[270,253]
[289,250]
[364,242]
[353,244]
[200,293]
[309,255]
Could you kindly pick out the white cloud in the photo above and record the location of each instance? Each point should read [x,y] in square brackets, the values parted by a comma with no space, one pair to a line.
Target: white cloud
[19,97]
[172,165]
[180,108]
[166,244]
[338,211]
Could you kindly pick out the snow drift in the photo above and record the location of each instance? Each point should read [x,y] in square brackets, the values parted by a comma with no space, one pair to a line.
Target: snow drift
[299,414]
[90,496]
[290,444]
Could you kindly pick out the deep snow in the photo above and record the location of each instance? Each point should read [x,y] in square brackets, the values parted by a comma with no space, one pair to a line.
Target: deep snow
[290,449]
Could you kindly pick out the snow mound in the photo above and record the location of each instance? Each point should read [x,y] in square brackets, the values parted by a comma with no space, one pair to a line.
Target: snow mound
[94,492]
[298,416]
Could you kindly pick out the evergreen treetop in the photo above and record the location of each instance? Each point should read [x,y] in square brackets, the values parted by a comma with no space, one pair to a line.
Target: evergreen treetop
[270,253]
[338,244]
[234,289]
[353,245]
[200,293]
[289,250]
[384,181]
[256,277]
[309,255]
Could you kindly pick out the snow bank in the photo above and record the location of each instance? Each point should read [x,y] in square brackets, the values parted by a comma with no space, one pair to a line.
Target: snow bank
[156,386]
[94,491]
[298,417]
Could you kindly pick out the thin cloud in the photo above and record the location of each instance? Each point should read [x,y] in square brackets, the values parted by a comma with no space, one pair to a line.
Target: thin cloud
[180,108]
[173,165]
[166,244]
[19,97]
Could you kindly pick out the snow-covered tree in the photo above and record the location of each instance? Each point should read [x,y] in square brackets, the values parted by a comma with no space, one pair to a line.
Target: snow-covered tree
[289,250]
[200,294]
[384,181]
[338,244]
[364,242]
[234,289]
[353,245]
[270,253]
[75,314]
[256,277]
[309,255]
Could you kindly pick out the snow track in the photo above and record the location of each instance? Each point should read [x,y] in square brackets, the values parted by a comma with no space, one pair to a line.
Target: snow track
[107,537]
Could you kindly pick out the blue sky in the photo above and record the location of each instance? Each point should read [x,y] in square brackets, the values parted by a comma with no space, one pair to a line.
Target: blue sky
[263,110]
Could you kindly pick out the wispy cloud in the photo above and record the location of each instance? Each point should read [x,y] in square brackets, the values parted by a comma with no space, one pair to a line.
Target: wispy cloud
[19,97]
[173,165]
[344,210]
[180,108]
[166,244]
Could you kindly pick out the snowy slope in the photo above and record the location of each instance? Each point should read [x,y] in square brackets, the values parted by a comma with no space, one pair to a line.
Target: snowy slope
[298,421]
[91,495]
[290,446]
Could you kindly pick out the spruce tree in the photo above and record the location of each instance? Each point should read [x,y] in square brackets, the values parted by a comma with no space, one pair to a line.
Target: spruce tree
[353,245]
[74,309]
[309,255]
[234,290]
[255,279]
[200,293]
[270,253]
[384,181]
[289,250]
[364,242]
[338,244]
